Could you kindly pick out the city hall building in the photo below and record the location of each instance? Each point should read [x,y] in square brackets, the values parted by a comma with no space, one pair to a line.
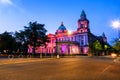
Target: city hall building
[64,42]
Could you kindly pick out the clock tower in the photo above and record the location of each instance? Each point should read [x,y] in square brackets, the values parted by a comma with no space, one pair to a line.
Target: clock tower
[83,23]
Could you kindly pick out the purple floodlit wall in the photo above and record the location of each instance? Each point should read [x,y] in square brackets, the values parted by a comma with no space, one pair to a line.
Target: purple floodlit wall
[64,48]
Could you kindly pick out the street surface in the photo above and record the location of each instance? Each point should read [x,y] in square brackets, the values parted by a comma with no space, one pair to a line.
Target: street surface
[70,68]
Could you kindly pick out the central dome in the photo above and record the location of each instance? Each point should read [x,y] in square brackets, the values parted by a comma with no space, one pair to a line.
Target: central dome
[62,27]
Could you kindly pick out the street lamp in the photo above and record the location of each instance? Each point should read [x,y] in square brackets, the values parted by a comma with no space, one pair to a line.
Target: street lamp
[116,24]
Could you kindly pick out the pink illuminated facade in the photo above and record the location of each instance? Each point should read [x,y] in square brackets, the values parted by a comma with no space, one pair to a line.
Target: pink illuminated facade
[65,42]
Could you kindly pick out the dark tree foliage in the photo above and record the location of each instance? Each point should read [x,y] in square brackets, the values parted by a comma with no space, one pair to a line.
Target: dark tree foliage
[22,42]
[116,45]
[7,43]
[36,35]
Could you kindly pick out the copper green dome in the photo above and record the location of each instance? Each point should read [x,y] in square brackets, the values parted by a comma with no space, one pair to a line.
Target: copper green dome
[62,27]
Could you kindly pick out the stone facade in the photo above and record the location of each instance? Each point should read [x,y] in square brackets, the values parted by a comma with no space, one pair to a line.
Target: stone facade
[66,42]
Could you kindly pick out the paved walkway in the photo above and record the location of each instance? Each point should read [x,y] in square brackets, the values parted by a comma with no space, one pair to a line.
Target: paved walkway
[78,68]
[20,60]
[25,60]
[117,60]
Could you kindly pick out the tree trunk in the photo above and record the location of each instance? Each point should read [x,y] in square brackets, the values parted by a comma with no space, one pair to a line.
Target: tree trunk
[33,51]
[34,46]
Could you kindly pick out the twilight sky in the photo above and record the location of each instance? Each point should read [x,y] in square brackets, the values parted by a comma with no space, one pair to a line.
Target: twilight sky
[14,14]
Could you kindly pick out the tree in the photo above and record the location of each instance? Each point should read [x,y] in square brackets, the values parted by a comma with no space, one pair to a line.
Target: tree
[36,35]
[116,45]
[97,45]
[22,42]
[7,43]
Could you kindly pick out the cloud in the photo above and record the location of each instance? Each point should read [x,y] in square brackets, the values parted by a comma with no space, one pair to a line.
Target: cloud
[11,4]
[6,2]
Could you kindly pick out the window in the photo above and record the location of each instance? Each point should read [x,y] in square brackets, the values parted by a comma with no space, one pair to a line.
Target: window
[82,25]
[71,38]
[82,42]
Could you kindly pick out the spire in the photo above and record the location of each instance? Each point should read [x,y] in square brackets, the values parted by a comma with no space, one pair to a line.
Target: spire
[62,24]
[83,14]
[103,35]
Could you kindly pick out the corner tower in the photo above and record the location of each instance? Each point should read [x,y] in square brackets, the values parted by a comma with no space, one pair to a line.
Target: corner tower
[83,23]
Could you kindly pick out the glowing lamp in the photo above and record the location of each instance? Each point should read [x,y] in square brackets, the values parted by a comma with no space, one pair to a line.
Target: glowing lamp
[113,55]
[69,32]
[115,24]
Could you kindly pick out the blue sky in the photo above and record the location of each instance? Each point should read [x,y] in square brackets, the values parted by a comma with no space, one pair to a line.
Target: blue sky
[14,14]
